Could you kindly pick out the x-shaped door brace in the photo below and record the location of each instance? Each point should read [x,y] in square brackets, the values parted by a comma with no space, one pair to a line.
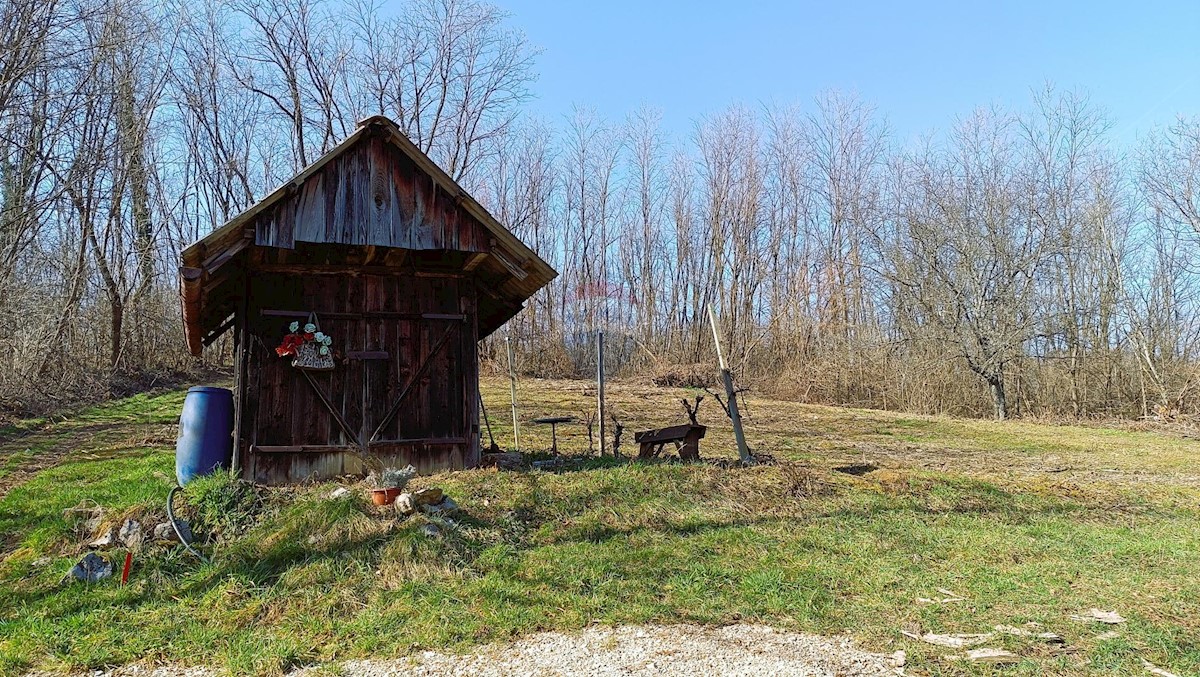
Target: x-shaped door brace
[412,381]
[352,434]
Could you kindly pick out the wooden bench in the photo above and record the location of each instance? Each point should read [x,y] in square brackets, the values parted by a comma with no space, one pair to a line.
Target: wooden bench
[686,439]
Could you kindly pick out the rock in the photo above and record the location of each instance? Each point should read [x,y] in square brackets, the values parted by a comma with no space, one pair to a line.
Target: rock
[131,534]
[91,568]
[428,496]
[164,532]
[339,493]
[105,539]
[405,505]
[446,507]
[899,659]
[431,530]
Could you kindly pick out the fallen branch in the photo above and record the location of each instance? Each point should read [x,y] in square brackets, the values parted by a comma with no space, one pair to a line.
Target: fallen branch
[957,641]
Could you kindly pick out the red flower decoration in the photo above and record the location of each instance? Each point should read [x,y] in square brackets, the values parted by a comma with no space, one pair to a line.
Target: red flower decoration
[291,343]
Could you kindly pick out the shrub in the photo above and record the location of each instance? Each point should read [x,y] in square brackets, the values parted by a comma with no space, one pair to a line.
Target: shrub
[224,507]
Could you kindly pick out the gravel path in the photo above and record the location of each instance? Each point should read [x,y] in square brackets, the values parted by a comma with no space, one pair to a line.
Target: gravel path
[646,650]
[628,650]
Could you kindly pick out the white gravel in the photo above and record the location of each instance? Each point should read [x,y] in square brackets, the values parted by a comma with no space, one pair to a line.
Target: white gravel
[628,650]
[646,650]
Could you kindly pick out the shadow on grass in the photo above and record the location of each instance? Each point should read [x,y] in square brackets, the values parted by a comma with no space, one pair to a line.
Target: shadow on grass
[550,529]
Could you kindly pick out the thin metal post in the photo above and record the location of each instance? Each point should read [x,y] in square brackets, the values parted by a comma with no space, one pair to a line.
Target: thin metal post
[512,382]
[600,384]
[730,393]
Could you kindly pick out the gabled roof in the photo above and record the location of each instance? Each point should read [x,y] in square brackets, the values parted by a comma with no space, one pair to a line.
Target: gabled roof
[206,274]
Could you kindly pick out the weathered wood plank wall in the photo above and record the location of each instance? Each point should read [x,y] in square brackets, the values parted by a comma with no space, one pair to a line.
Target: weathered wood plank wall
[371,195]
[384,328]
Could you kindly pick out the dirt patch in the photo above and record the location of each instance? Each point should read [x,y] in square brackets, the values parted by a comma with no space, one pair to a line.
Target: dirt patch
[20,461]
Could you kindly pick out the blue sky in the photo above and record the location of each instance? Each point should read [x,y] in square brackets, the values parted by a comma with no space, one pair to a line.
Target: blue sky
[921,63]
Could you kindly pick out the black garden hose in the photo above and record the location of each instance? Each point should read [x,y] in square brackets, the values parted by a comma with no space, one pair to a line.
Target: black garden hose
[175,525]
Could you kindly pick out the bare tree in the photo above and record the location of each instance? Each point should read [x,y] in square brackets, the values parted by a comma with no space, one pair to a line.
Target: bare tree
[963,253]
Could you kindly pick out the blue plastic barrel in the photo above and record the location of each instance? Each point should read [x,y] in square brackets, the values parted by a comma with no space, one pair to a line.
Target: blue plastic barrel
[205,441]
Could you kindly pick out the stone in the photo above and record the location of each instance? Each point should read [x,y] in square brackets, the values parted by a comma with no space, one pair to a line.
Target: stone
[428,496]
[91,568]
[164,532]
[105,539]
[131,534]
[446,507]
[405,505]
[339,493]
[899,659]
[431,530]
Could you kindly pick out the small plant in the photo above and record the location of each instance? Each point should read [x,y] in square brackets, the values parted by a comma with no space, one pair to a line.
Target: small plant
[393,478]
[389,483]
[225,507]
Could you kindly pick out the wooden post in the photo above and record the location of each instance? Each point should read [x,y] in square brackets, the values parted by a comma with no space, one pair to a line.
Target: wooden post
[512,382]
[600,384]
[730,393]
[239,383]
[241,357]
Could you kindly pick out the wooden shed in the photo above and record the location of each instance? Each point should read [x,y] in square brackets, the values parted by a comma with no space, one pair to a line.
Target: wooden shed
[403,271]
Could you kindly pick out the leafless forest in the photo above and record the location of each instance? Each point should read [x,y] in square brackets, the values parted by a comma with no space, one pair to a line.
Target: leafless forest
[1017,262]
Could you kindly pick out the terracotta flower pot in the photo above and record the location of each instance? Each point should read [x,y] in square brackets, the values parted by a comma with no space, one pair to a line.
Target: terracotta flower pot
[384,496]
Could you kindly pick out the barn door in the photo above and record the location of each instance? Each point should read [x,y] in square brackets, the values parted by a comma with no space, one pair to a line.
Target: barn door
[401,383]
[403,390]
[415,396]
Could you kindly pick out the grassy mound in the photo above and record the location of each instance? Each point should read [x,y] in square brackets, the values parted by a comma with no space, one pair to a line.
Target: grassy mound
[298,578]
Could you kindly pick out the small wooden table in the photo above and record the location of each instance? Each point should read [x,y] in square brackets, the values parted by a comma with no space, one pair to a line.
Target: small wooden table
[686,439]
[554,421]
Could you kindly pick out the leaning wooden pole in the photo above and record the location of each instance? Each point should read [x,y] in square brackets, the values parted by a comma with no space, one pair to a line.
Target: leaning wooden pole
[600,384]
[730,393]
[512,384]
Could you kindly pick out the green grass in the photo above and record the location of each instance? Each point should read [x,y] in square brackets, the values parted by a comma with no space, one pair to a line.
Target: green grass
[794,545]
